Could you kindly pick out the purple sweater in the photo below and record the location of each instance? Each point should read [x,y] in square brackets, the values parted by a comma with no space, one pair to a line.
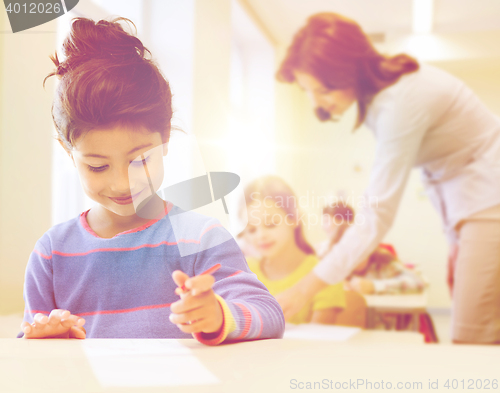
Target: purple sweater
[123,286]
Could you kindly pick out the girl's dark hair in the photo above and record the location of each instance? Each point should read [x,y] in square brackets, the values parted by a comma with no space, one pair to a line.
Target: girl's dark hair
[336,51]
[107,80]
[275,188]
[379,259]
[346,214]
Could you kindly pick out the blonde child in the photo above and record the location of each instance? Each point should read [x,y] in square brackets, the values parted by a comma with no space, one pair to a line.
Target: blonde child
[274,230]
[115,270]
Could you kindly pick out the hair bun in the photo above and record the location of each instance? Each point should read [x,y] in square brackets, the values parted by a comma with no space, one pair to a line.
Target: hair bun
[88,40]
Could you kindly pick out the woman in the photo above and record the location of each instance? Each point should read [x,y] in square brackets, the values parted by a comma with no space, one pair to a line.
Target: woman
[424,117]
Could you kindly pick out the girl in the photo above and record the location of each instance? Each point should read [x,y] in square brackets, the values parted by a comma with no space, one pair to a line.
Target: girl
[421,117]
[275,231]
[383,273]
[115,268]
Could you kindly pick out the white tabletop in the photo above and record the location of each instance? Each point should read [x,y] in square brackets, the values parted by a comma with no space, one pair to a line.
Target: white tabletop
[88,366]
[397,303]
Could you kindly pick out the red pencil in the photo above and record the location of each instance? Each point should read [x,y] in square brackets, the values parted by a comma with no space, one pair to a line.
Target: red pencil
[210,270]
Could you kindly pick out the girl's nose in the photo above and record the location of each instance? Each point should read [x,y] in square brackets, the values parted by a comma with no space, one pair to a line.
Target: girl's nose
[120,182]
[260,233]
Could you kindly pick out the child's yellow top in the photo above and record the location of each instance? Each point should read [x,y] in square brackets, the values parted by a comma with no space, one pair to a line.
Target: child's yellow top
[331,297]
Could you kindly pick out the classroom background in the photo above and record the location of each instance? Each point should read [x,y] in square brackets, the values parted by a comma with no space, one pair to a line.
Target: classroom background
[220,57]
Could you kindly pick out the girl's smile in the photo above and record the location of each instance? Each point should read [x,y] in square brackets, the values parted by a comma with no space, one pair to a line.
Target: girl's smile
[270,230]
[119,167]
[125,200]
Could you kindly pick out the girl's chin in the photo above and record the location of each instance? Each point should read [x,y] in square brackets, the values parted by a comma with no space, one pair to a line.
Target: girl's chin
[123,210]
[268,252]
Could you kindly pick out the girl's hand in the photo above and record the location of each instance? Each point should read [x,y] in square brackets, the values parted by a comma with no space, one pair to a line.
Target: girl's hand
[198,310]
[362,285]
[59,324]
[293,299]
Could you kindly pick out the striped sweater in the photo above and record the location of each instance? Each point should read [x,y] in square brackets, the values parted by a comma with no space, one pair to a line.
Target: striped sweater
[123,286]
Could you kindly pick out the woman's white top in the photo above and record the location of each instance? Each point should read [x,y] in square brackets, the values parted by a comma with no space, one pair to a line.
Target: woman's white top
[432,120]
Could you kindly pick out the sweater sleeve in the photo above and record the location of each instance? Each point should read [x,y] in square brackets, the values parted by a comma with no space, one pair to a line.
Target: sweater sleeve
[400,124]
[38,285]
[250,311]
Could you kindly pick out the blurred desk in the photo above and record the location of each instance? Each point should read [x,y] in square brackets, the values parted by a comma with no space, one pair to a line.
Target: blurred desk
[413,305]
[258,366]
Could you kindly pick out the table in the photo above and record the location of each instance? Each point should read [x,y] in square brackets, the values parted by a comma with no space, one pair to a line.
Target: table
[397,304]
[258,366]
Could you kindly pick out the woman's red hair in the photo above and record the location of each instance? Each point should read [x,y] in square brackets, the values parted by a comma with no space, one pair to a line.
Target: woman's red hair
[336,51]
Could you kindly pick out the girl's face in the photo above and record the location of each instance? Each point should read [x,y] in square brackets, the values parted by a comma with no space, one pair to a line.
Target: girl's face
[114,165]
[335,102]
[270,229]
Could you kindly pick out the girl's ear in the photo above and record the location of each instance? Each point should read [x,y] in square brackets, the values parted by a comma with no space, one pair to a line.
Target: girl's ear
[165,149]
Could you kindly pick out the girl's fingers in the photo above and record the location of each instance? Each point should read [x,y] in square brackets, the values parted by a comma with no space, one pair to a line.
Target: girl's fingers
[40,318]
[80,322]
[72,320]
[77,332]
[179,278]
[56,315]
[200,284]
[179,291]
[194,315]
[26,327]
[194,327]
[189,303]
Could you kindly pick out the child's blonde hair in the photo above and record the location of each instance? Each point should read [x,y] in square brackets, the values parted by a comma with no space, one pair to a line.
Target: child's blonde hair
[275,188]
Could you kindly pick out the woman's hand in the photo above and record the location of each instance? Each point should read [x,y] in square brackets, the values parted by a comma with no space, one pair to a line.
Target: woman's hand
[293,299]
[198,311]
[59,324]
[362,285]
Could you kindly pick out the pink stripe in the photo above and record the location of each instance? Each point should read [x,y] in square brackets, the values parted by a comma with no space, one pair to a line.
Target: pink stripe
[68,254]
[36,312]
[235,273]
[122,311]
[248,320]
[42,255]
[85,224]
[260,318]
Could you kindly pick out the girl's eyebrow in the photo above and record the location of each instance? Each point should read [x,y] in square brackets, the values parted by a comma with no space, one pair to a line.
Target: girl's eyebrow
[130,152]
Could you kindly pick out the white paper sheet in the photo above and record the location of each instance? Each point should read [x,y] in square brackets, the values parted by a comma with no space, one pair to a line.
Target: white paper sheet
[122,362]
[314,331]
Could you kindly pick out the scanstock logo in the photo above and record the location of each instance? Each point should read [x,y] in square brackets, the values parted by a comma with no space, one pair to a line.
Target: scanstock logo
[24,15]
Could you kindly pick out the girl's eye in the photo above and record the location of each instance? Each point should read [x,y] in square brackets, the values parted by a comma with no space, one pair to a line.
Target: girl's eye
[97,168]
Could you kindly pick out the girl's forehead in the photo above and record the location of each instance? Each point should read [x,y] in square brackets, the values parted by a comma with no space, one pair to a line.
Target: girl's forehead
[263,208]
[116,140]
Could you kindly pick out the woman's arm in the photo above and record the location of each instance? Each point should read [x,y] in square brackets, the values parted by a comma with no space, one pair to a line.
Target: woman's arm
[401,122]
